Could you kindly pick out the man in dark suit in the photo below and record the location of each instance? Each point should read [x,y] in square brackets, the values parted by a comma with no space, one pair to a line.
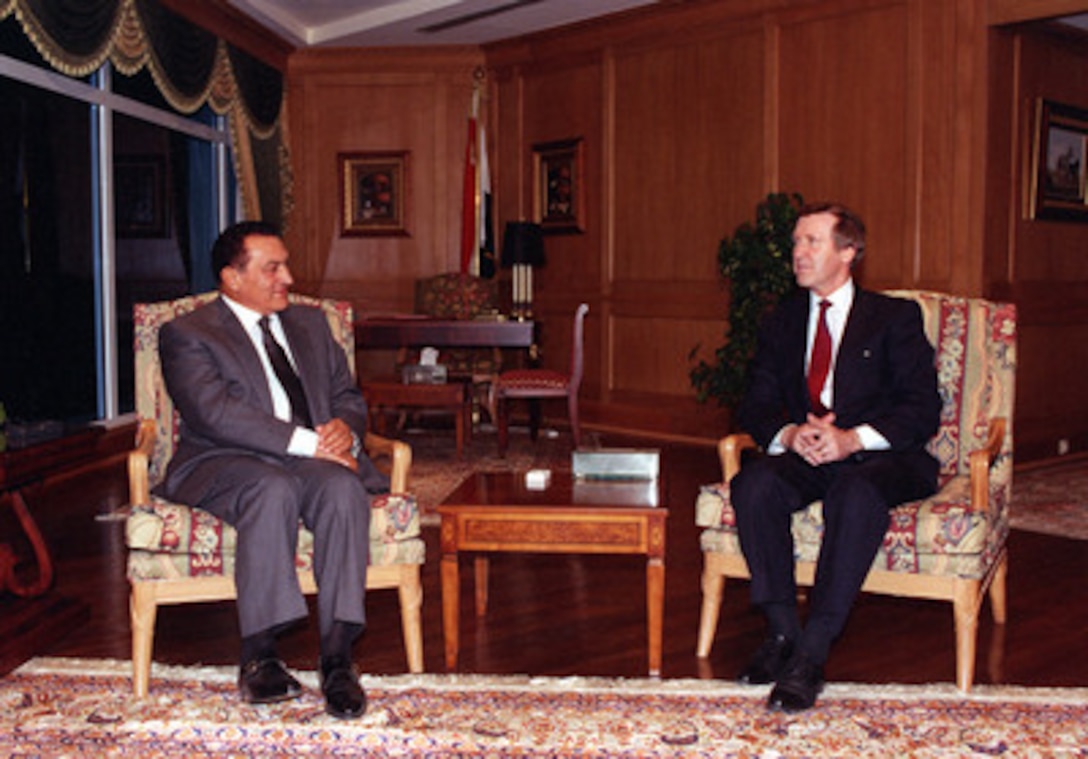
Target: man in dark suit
[843,398]
[271,424]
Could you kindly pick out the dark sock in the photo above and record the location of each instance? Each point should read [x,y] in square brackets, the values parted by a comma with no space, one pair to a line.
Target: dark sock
[336,643]
[817,639]
[261,645]
[783,620]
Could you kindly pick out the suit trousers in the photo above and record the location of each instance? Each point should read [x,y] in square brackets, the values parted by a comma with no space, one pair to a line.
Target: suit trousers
[857,493]
[264,500]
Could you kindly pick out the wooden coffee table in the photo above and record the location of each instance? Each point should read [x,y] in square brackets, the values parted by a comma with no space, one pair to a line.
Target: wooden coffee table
[495,512]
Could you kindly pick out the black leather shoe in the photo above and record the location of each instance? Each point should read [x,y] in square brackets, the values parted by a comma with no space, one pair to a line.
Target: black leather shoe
[266,681]
[344,696]
[798,685]
[768,662]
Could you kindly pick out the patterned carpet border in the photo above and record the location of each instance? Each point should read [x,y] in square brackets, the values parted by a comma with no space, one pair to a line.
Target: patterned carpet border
[73,707]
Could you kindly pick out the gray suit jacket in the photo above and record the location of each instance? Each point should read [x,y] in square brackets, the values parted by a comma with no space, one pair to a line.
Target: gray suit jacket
[215,377]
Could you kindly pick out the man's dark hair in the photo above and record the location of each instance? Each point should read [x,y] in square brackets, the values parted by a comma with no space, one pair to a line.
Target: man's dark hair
[230,247]
[849,229]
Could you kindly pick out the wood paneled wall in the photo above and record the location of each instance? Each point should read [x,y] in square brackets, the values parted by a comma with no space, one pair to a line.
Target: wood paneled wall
[344,101]
[690,113]
[1041,265]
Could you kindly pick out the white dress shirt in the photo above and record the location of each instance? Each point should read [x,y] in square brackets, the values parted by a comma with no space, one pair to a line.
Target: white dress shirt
[303,441]
[842,300]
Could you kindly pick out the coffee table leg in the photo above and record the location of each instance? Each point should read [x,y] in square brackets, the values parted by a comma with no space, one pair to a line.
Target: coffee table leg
[655,608]
[482,567]
[451,606]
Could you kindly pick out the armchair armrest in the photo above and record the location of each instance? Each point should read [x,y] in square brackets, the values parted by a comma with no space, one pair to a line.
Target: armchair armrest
[980,462]
[392,456]
[730,448]
[139,458]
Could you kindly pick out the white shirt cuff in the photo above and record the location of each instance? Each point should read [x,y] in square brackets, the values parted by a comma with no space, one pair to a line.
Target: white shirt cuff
[871,440]
[777,447]
[303,443]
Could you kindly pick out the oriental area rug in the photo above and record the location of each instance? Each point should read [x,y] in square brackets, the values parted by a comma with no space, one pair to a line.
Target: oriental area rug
[1052,499]
[80,707]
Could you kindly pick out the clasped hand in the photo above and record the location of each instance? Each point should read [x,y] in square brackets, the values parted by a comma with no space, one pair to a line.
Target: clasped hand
[818,441]
[334,443]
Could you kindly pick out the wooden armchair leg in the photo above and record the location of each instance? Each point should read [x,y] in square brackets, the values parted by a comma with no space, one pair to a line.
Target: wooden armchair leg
[965,607]
[713,586]
[143,609]
[410,592]
[997,590]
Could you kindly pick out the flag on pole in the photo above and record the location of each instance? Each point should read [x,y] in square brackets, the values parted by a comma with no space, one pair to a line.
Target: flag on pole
[469,215]
[486,257]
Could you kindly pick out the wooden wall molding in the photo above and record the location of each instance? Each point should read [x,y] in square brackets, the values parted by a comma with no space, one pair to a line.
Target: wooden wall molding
[1016,11]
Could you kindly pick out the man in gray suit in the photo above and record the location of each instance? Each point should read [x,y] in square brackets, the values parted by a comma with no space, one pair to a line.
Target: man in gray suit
[843,396]
[271,431]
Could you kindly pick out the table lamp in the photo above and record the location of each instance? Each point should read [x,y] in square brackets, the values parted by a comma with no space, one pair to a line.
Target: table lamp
[522,249]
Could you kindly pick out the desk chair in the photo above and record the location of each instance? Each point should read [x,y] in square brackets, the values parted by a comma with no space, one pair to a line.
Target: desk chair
[536,384]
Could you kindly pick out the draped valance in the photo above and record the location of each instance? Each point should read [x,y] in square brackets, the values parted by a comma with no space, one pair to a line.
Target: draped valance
[190,66]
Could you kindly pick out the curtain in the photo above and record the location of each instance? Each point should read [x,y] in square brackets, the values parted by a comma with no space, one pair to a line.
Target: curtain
[190,66]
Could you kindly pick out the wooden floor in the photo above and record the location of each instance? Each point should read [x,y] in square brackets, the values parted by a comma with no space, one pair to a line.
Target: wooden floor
[557,615]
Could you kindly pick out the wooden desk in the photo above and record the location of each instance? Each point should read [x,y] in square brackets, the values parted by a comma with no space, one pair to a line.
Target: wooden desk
[411,332]
[494,511]
[442,333]
[23,469]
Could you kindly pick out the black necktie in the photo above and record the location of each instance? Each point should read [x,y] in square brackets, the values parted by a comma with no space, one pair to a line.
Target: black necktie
[281,365]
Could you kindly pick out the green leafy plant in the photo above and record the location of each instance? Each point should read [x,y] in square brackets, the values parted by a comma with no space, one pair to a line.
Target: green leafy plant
[756,262]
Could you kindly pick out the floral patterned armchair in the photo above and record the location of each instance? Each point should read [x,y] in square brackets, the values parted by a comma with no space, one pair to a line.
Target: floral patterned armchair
[179,554]
[948,547]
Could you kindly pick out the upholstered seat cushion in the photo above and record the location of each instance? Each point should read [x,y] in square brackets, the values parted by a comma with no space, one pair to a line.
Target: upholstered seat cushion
[168,540]
[534,379]
[941,535]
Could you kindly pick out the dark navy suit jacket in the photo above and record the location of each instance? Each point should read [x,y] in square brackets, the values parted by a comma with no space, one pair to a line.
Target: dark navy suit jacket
[884,373]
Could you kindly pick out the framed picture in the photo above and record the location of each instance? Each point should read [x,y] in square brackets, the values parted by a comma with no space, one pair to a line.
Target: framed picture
[139,195]
[558,194]
[1058,176]
[374,193]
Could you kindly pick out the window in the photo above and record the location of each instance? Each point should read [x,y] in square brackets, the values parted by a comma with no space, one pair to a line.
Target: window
[108,198]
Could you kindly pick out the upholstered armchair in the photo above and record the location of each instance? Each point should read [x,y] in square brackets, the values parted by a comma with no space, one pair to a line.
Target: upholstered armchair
[948,547]
[179,554]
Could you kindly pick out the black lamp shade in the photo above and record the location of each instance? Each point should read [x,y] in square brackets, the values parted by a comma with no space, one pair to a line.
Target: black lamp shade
[522,243]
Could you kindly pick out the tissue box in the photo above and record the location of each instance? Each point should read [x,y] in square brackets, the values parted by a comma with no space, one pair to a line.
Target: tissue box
[616,464]
[413,374]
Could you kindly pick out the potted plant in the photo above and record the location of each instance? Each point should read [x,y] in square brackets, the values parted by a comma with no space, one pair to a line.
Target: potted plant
[757,263]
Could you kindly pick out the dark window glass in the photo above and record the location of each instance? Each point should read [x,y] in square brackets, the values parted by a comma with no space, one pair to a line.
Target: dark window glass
[47,340]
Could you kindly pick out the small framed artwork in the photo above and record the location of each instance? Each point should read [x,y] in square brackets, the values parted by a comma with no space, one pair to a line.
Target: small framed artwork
[1058,176]
[558,193]
[139,196]
[374,193]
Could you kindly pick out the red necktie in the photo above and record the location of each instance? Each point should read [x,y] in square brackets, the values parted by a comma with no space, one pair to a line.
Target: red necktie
[820,363]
